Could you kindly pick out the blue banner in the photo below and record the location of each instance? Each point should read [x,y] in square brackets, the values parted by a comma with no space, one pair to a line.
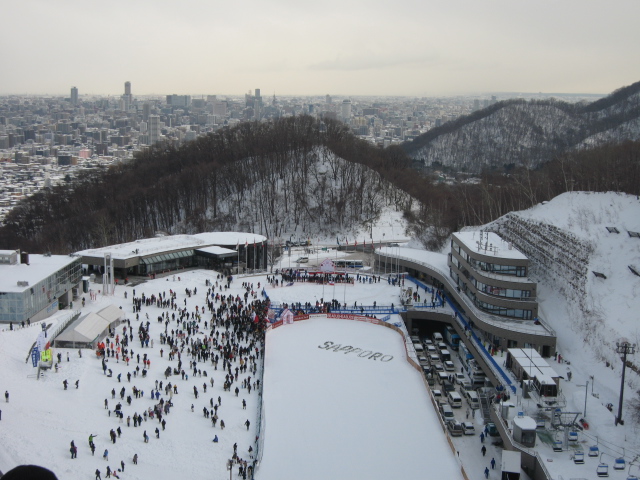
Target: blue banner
[35,356]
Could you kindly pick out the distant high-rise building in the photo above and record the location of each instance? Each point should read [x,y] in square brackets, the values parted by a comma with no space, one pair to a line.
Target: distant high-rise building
[257,93]
[180,101]
[346,111]
[146,111]
[127,97]
[220,109]
[74,95]
[154,128]
[328,99]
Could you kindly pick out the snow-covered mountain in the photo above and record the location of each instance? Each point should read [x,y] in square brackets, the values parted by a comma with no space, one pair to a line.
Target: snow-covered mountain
[529,133]
[585,252]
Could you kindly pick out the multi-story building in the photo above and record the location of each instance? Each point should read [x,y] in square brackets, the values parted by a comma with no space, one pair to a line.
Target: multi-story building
[33,287]
[154,129]
[493,275]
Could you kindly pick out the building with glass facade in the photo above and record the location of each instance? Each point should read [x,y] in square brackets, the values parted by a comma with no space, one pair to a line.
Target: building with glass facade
[33,287]
[493,275]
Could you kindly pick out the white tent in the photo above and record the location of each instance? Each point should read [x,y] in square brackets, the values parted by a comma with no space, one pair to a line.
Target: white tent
[89,329]
[111,313]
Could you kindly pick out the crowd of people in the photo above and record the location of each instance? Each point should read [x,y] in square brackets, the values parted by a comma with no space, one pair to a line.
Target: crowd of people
[212,335]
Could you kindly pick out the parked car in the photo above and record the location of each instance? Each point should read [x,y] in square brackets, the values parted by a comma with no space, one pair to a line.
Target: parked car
[472,398]
[446,411]
[459,378]
[449,366]
[492,429]
[437,394]
[468,428]
[302,260]
[466,385]
[455,428]
[447,386]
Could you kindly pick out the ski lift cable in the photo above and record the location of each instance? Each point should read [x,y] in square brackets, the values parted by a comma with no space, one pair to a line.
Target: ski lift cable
[623,452]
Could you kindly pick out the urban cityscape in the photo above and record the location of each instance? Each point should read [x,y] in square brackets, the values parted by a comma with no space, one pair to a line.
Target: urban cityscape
[46,140]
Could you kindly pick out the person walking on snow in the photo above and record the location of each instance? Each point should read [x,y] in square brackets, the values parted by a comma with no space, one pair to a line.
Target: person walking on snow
[493,463]
[483,450]
[486,472]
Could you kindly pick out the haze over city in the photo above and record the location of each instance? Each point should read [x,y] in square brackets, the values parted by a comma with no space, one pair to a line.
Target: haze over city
[291,48]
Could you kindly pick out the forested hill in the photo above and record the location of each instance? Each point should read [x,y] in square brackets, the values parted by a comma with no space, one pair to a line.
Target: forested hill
[529,133]
[294,175]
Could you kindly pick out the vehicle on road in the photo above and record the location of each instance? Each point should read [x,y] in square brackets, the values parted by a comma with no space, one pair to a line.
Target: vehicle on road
[455,428]
[468,428]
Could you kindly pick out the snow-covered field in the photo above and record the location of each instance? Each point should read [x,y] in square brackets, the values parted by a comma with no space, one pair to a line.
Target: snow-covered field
[343,412]
[339,415]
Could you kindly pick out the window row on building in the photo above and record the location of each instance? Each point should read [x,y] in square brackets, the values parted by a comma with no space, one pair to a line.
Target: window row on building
[496,268]
[488,307]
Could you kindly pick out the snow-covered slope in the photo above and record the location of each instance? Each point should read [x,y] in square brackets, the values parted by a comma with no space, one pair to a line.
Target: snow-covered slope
[587,291]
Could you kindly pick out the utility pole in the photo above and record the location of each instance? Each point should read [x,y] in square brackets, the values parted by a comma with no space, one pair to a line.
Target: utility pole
[625,349]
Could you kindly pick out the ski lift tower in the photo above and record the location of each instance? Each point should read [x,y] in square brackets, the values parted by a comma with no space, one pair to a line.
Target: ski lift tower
[108,286]
[563,421]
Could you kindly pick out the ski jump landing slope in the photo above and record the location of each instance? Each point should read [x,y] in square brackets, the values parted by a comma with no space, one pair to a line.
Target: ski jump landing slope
[331,414]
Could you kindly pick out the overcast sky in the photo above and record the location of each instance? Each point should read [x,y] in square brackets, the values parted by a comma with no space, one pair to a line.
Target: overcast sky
[339,47]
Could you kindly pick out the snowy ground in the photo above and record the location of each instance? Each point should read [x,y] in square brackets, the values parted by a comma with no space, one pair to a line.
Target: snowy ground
[336,415]
[41,418]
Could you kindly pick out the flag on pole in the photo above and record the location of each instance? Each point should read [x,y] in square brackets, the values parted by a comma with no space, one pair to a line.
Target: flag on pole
[338,241]
[347,240]
[254,242]
[238,245]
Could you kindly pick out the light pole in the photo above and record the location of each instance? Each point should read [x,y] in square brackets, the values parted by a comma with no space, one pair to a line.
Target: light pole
[386,258]
[625,349]
[586,386]
[230,467]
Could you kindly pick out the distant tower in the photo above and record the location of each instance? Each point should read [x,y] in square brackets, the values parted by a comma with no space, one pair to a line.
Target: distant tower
[146,111]
[346,111]
[154,128]
[257,93]
[127,97]
[74,95]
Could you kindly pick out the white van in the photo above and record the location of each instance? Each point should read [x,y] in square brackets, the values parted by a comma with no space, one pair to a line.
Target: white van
[437,338]
[446,411]
[302,260]
[472,398]
[455,400]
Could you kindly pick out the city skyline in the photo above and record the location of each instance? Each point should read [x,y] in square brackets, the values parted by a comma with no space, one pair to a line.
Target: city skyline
[359,48]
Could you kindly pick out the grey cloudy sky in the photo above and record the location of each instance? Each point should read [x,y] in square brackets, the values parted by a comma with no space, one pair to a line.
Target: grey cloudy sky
[340,47]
